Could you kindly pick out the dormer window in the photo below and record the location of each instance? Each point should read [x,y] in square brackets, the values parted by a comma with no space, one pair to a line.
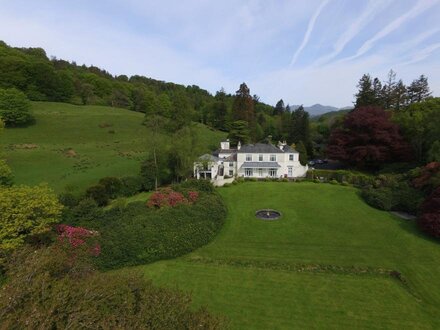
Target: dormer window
[291,157]
[260,158]
[273,158]
[248,158]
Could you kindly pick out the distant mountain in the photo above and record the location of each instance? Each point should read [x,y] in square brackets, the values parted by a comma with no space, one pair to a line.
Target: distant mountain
[332,114]
[319,109]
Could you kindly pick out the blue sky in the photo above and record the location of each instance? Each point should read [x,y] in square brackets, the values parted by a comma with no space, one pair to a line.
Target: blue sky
[306,52]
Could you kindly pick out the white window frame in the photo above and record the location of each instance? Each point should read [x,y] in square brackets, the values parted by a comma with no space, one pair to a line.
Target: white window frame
[248,157]
[248,172]
[260,172]
[273,172]
[231,172]
[273,158]
[291,157]
[260,158]
[289,171]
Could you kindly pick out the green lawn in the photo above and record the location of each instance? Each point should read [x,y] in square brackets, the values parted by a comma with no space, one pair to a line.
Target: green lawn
[250,273]
[76,145]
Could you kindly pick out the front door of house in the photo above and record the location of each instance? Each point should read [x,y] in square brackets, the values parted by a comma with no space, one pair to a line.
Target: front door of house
[290,171]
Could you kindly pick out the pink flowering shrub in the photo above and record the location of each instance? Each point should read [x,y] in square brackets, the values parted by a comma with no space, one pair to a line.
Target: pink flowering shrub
[193,196]
[75,238]
[167,197]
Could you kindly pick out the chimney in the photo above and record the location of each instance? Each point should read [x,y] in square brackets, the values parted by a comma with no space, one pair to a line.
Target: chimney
[225,145]
[238,145]
[281,145]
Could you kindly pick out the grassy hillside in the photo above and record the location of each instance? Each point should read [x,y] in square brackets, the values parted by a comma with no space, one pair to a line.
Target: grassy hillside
[76,145]
[265,275]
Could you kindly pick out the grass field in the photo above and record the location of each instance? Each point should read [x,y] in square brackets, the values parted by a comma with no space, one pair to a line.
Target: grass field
[76,145]
[263,274]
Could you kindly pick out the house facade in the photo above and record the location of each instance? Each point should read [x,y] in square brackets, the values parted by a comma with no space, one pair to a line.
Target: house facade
[258,160]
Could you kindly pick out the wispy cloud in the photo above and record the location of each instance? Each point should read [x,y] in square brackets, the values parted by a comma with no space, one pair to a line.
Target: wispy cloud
[418,9]
[373,7]
[421,55]
[309,30]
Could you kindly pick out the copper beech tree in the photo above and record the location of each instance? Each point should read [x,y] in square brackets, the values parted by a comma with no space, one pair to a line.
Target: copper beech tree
[367,139]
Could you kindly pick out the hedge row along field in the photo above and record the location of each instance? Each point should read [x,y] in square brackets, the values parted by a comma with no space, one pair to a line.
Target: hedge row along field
[138,234]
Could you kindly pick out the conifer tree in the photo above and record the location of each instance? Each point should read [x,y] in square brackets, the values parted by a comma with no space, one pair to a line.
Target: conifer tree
[365,96]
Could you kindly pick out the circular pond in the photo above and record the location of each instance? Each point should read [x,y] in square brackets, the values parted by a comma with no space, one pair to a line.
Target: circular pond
[268,214]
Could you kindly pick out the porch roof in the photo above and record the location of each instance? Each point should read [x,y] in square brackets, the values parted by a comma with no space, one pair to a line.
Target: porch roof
[260,165]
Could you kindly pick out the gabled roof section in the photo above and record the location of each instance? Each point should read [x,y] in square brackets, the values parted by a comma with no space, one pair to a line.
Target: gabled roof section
[260,148]
[290,150]
[208,157]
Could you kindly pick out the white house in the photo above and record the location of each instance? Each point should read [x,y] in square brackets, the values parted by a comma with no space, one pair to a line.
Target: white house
[258,160]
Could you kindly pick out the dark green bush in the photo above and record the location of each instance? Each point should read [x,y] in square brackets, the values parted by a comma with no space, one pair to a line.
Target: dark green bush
[400,197]
[406,198]
[131,185]
[99,194]
[48,289]
[112,185]
[85,214]
[68,199]
[139,235]
[381,198]
[354,178]
[199,185]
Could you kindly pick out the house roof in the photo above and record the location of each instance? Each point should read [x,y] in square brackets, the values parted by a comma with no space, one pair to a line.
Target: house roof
[289,149]
[260,148]
[231,158]
[209,157]
[260,165]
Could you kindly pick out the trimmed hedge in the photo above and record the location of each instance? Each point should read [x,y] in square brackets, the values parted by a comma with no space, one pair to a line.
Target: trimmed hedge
[399,197]
[341,176]
[136,234]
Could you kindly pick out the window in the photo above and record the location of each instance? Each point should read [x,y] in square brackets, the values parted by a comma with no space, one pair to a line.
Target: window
[260,172]
[231,164]
[260,158]
[272,172]
[248,172]
[290,171]
[231,172]
[248,158]
[273,158]
[290,157]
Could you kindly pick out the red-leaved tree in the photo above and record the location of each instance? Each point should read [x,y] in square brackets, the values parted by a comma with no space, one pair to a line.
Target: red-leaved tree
[368,139]
[429,220]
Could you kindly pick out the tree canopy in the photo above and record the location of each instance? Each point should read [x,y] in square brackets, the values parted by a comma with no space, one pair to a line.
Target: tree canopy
[367,139]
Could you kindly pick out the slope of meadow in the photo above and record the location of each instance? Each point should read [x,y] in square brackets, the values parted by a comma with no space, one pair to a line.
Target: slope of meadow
[330,262]
[74,146]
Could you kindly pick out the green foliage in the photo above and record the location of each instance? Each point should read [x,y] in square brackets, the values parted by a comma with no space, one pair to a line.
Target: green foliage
[303,156]
[6,176]
[399,197]
[434,152]
[138,235]
[199,185]
[112,185]
[131,185]
[420,123]
[47,290]
[356,178]
[15,108]
[135,234]
[99,194]
[239,132]
[26,211]
[381,198]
